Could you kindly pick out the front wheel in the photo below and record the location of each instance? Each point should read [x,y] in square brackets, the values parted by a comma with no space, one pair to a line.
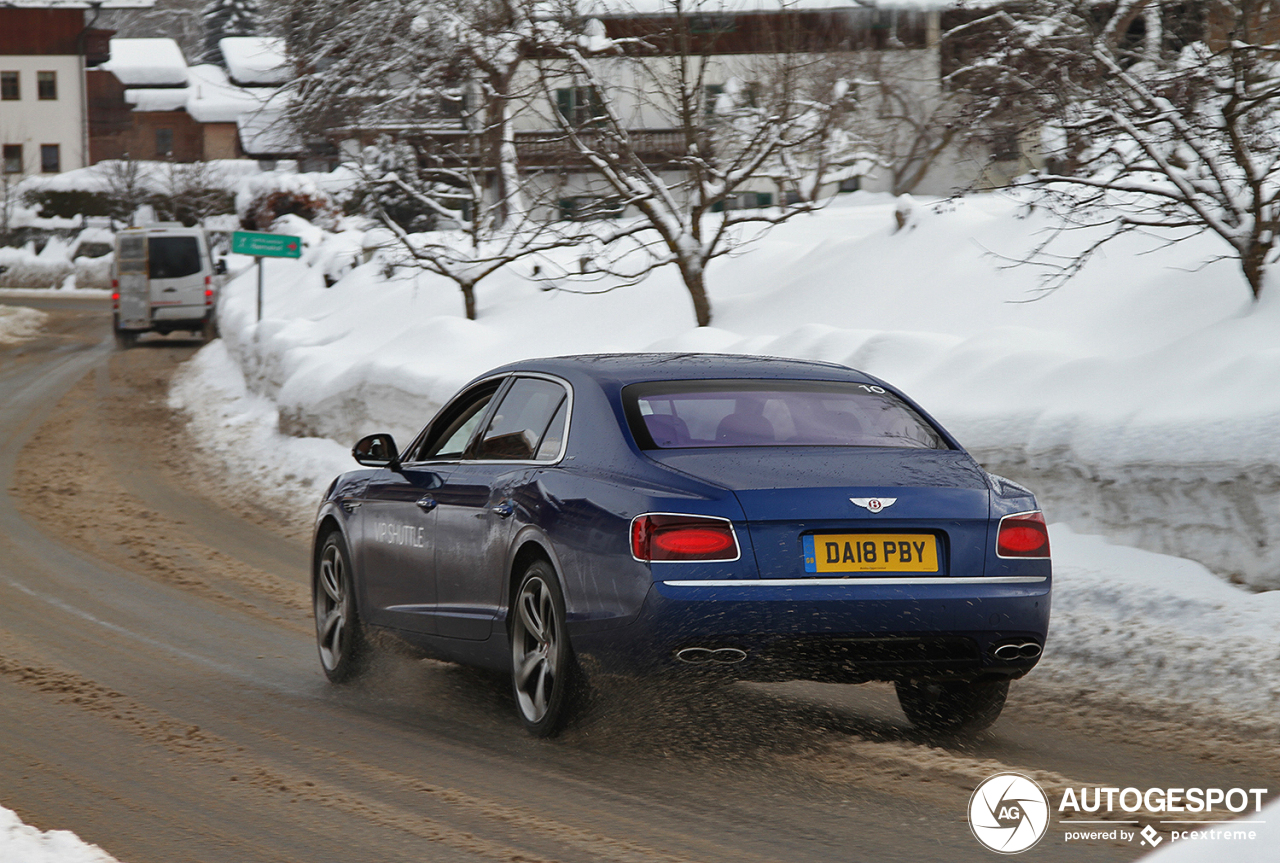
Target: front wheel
[952,708]
[544,673]
[344,652]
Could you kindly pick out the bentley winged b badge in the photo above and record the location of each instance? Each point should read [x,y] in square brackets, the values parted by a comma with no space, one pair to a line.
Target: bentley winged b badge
[874,504]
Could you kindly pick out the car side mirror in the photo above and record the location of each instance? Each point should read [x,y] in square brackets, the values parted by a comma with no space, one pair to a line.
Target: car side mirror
[377,450]
[220,267]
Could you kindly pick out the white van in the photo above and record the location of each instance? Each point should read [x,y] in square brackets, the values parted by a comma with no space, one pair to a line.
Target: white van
[164,279]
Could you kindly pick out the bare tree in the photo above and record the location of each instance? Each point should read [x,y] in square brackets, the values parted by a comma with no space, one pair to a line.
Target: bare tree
[908,118]
[1153,122]
[683,136]
[446,221]
[374,66]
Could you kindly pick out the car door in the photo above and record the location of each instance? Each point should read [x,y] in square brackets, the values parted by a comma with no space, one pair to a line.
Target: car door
[478,513]
[399,519]
[176,265]
[132,284]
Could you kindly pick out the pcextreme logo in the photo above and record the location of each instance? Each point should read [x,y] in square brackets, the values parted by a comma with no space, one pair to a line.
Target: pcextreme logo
[1009,813]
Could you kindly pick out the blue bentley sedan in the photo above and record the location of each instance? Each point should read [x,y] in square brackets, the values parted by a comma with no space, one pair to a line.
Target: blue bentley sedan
[758,518]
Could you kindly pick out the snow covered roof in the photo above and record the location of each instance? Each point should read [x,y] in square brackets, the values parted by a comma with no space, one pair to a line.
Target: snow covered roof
[157,99]
[211,98]
[255,61]
[265,133]
[147,63]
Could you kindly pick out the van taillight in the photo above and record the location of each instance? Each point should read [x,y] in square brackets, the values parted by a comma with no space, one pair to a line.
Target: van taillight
[208,280]
[682,537]
[115,301]
[1023,535]
[208,296]
[115,283]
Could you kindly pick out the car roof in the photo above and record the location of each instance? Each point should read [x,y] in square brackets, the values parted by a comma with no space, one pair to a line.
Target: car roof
[623,369]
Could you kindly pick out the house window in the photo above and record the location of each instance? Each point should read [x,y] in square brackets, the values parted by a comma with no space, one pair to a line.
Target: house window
[50,159]
[9,90]
[711,96]
[578,105]
[164,143]
[13,158]
[46,85]
[587,208]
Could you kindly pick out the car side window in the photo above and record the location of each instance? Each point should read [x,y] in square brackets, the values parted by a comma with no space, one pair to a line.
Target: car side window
[453,429]
[554,435]
[521,422]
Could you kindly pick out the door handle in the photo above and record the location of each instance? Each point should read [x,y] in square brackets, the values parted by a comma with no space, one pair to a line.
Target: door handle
[426,503]
[503,509]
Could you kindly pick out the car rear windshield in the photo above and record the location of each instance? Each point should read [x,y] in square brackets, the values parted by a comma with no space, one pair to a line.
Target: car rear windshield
[174,257]
[687,414]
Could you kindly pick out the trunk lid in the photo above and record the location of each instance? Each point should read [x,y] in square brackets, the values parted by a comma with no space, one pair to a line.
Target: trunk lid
[790,494]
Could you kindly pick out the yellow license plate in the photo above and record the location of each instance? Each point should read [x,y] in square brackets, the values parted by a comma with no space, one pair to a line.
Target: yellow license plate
[871,552]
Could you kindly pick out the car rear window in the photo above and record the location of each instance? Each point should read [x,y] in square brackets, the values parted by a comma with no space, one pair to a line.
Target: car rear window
[689,414]
[174,257]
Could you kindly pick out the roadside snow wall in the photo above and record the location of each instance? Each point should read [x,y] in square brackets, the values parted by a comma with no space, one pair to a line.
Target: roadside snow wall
[1140,401]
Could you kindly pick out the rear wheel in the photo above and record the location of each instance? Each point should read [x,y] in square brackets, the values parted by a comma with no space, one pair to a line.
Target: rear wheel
[124,338]
[544,673]
[344,652]
[952,708]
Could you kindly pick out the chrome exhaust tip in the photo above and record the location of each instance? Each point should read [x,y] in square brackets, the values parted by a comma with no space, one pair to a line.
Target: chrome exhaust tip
[1016,650]
[708,655]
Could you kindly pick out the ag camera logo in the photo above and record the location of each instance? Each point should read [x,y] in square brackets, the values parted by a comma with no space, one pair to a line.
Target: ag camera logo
[1008,813]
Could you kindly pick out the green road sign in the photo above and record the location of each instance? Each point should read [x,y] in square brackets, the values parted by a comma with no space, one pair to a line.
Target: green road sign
[266,245]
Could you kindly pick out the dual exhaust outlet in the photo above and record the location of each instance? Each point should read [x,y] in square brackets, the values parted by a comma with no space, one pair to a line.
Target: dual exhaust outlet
[710,655]
[1016,650]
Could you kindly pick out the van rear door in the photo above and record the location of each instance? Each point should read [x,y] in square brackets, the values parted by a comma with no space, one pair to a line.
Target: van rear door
[177,270]
[133,283]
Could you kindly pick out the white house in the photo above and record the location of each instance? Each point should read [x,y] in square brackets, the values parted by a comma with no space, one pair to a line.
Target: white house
[45,47]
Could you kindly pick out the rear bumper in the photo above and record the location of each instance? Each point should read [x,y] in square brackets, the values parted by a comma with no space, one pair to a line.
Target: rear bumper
[834,629]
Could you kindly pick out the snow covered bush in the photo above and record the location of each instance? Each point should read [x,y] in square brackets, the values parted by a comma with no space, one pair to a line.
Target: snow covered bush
[24,268]
[264,199]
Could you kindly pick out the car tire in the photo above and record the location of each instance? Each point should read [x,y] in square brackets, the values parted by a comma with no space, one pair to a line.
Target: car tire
[952,708]
[340,637]
[545,677]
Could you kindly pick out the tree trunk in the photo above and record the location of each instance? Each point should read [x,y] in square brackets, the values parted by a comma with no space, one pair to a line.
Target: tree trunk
[1253,261]
[469,299]
[693,276]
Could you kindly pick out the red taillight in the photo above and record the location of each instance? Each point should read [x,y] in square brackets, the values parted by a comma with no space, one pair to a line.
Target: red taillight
[1023,535]
[208,296]
[682,537]
[208,280]
[115,299]
[115,283]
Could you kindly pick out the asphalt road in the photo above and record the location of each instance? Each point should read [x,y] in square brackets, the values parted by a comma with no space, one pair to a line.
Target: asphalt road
[160,694]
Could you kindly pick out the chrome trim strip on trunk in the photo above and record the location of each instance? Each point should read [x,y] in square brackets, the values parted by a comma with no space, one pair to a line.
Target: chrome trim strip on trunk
[835,582]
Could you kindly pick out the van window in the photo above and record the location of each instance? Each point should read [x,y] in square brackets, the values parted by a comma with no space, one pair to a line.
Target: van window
[174,257]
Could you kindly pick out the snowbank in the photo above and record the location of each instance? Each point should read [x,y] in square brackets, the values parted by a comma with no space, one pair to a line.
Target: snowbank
[1130,621]
[21,843]
[19,323]
[1139,401]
